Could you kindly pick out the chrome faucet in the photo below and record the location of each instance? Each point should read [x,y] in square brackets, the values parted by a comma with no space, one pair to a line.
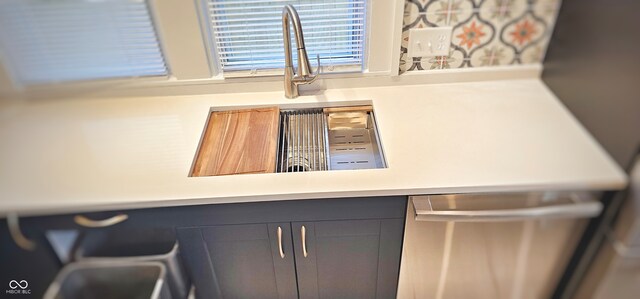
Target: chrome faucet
[304,75]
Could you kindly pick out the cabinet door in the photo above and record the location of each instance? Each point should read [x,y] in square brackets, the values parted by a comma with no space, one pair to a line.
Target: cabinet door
[37,267]
[348,259]
[240,261]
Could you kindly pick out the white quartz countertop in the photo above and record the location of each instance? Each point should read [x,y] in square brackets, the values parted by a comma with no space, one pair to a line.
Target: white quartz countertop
[64,156]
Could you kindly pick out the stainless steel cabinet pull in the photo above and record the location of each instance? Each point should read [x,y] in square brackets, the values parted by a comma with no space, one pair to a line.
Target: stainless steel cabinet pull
[16,233]
[579,207]
[86,222]
[303,234]
[280,242]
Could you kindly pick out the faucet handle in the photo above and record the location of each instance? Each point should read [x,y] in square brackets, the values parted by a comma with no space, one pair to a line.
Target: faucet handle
[319,67]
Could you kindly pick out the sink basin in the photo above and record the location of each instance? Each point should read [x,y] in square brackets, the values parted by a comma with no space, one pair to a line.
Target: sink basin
[328,139]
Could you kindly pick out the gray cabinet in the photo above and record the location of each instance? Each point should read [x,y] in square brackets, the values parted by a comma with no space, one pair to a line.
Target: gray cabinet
[233,250]
[349,259]
[241,261]
[326,256]
[37,267]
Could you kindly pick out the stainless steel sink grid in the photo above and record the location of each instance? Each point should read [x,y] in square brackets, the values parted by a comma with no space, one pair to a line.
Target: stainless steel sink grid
[303,141]
[315,140]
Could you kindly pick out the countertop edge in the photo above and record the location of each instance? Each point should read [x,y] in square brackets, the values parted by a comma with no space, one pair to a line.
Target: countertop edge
[612,185]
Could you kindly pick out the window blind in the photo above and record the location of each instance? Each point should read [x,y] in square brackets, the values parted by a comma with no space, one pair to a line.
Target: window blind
[248,33]
[44,41]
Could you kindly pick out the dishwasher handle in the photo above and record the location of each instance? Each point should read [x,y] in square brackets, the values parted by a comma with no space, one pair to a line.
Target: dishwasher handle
[580,207]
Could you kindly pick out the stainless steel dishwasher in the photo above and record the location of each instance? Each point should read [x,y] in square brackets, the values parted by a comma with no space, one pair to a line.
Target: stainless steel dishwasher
[504,245]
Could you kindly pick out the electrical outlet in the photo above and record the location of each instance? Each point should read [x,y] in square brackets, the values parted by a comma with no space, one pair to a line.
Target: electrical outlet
[425,42]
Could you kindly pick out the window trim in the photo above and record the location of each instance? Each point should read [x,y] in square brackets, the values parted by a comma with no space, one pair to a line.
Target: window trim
[182,43]
[208,39]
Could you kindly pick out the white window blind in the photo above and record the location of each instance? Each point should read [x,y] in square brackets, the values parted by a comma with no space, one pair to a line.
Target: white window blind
[44,41]
[248,34]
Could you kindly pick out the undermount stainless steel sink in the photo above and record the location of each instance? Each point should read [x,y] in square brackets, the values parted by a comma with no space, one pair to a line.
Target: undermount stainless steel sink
[328,139]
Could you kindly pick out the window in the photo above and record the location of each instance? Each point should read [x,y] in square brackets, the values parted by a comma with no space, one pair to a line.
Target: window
[44,41]
[247,34]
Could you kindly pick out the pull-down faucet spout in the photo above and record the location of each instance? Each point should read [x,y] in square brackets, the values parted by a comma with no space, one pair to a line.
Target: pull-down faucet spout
[304,74]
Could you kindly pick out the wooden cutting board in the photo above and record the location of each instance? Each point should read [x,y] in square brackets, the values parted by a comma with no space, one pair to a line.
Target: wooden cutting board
[239,141]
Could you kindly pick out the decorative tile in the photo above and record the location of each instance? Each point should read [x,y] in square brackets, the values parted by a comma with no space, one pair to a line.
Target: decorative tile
[533,54]
[522,34]
[414,15]
[473,34]
[547,10]
[500,12]
[494,54]
[448,12]
[485,32]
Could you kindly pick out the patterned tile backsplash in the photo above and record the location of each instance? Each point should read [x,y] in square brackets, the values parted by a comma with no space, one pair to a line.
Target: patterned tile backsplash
[485,32]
